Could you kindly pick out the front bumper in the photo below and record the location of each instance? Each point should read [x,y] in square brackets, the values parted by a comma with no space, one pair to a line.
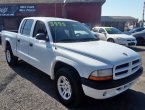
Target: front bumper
[127,43]
[106,89]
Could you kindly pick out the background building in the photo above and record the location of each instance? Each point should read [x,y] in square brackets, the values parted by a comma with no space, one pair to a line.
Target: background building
[86,11]
[121,22]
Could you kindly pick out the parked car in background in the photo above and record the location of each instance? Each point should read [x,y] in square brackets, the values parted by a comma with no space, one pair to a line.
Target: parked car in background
[140,37]
[114,35]
[94,33]
[134,30]
[0,37]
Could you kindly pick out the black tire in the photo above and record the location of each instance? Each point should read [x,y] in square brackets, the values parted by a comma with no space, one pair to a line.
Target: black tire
[75,84]
[10,58]
[111,40]
[140,41]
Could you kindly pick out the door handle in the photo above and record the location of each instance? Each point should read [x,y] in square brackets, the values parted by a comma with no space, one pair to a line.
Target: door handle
[30,44]
[18,40]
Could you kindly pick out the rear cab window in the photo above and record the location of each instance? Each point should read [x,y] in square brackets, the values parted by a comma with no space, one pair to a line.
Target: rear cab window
[26,27]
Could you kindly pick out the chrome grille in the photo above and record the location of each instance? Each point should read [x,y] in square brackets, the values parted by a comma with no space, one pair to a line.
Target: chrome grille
[131,40]
[126,69]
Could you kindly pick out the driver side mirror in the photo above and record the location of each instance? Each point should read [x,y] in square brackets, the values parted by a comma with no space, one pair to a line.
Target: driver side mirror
[41,36]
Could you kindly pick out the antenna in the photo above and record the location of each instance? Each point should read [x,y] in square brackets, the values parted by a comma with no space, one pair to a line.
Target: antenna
[55,27]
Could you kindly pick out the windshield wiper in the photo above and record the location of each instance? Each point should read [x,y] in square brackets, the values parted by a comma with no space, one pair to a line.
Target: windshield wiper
[88,39]
[66,40]
[77,40]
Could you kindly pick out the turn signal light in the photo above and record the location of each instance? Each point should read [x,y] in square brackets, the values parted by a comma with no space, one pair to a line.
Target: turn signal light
[101,78]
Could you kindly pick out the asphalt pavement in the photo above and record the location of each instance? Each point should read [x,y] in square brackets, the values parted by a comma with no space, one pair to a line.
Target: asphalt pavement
[25,88]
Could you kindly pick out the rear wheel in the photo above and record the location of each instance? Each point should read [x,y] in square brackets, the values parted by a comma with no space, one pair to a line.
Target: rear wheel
[68,87]
[140,41]
[10,58]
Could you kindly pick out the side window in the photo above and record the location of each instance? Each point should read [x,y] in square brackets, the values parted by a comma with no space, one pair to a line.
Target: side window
[26,27]
[39,28]
[22,26]
[101,30]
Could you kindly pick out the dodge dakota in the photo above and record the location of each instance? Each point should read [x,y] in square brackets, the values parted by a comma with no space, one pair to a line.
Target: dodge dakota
[73,57]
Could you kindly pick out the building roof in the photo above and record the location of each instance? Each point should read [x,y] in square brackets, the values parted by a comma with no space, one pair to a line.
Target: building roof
[51,1]
[118,19]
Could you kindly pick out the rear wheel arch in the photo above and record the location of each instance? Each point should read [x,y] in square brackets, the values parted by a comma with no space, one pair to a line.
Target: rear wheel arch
[7,45]
[10,58]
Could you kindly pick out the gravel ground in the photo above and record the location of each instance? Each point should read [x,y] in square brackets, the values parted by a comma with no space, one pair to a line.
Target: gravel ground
[26,88]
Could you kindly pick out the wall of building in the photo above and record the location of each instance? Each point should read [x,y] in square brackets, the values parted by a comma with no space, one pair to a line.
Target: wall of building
[83,12]
[11,14]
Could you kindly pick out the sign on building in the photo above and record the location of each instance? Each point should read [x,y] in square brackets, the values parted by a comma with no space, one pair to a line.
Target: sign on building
[17,10]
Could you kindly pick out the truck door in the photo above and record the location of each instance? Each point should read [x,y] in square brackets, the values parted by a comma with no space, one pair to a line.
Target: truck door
[23,39]
[41,51]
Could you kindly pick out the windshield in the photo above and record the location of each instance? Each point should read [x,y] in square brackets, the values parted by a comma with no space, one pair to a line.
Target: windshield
[66,31]
[113,31]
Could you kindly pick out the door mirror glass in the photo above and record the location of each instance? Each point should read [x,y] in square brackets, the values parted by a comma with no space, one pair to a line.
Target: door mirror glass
[41,36]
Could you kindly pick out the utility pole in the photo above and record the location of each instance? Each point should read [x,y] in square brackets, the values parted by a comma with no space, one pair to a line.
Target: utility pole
[143,12]
[64,8]
[142,23]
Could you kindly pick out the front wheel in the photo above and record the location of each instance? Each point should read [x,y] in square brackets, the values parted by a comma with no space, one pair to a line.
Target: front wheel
[111,40]
[10,58]
[68,87]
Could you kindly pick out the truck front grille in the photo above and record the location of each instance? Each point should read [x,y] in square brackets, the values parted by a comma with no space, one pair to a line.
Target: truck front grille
[126,69]
[131,40]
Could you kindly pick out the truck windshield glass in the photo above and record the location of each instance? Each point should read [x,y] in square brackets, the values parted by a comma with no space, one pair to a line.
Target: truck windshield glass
[66,31]
[113,31]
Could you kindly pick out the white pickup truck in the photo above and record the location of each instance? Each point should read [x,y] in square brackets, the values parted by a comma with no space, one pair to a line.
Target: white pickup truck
[72,56]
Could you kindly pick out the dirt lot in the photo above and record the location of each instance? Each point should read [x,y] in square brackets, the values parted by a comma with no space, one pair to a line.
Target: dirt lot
[26,88]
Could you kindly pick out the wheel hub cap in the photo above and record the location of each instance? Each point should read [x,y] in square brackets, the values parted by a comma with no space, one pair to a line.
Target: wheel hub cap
[64,88]
[8,55]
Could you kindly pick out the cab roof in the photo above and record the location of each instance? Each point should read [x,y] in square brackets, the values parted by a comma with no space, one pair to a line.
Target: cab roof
[47,19]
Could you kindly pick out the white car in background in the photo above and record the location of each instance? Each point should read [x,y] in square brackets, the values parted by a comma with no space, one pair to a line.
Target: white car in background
[114,35]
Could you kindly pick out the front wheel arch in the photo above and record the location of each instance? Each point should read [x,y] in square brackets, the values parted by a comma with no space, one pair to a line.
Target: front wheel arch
[60,64]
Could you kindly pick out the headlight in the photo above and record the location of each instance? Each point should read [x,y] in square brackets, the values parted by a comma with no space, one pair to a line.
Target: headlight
[101,75]
[122,39]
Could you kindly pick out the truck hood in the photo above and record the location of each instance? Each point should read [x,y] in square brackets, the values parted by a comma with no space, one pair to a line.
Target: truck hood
[124,36]
[105,52]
